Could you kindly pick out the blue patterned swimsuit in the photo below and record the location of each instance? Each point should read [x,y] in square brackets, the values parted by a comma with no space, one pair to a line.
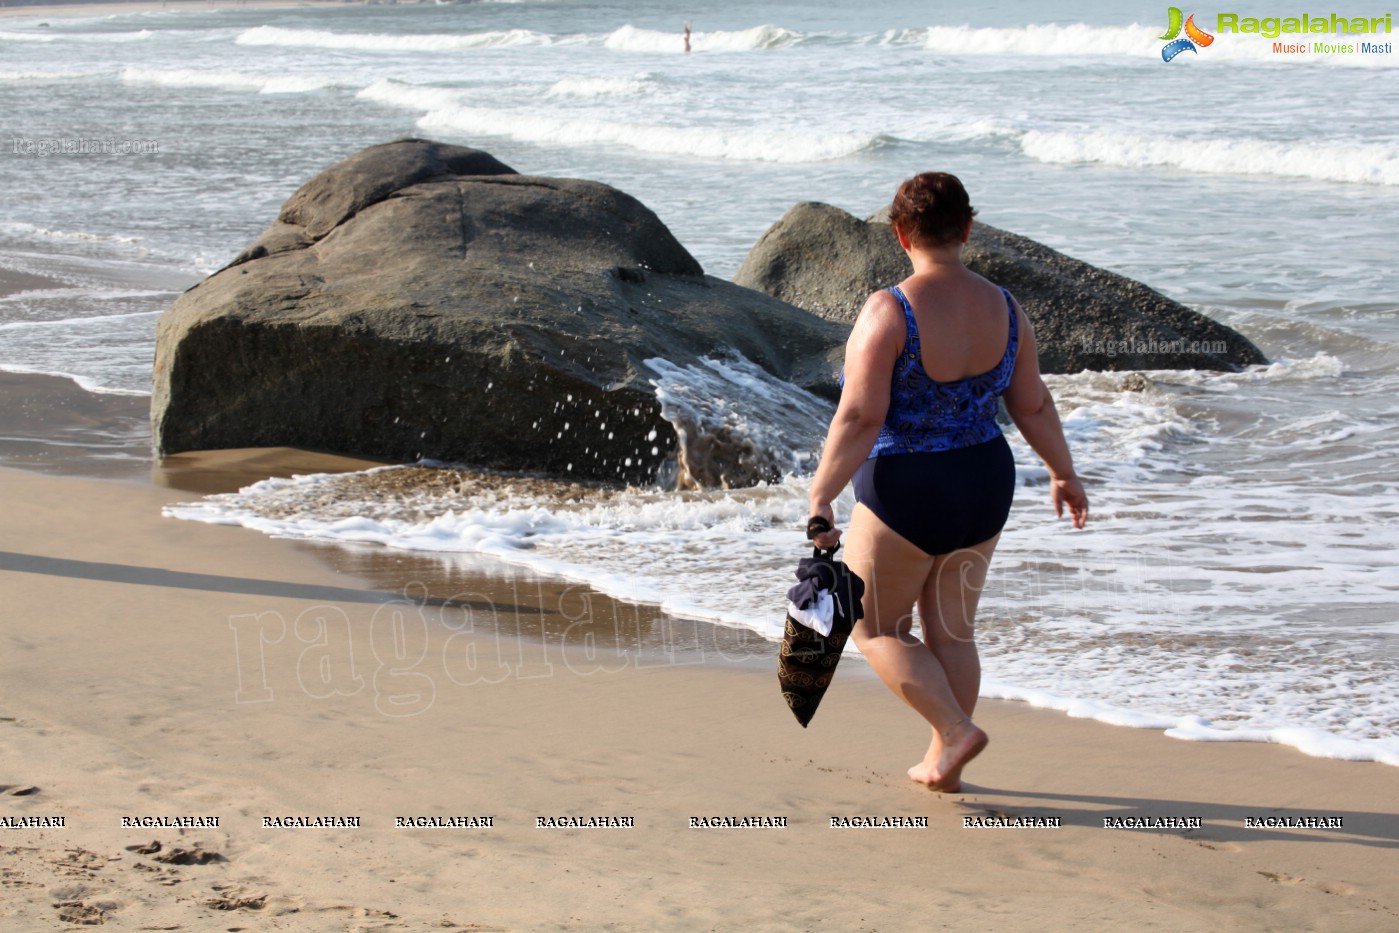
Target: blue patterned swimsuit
[941,473]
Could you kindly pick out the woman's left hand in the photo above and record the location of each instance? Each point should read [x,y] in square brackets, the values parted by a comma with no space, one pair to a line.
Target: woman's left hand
[1068,491]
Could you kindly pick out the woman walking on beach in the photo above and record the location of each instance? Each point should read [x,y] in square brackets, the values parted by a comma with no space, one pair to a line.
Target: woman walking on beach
[916,431]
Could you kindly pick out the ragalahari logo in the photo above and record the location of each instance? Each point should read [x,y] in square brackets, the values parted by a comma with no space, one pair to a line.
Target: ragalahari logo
[1194,36]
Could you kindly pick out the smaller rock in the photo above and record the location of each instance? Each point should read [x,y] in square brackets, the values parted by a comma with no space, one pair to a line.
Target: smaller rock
[827,261]
[1135,382]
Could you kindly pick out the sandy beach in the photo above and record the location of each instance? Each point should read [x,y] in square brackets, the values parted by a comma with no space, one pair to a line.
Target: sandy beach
[207,728]
[203,728]
[64,10]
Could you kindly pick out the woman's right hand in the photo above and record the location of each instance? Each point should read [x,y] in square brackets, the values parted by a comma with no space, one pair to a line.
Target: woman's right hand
[1068,490]
[826,539]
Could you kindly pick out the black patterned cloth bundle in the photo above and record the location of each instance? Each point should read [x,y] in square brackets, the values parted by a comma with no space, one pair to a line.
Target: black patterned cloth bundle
[807,659]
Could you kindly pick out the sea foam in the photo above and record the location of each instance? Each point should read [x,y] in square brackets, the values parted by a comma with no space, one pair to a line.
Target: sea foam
[732,414]
[7,36]
[632,39]
[448,110]
[1058,40]
[1360,164]
[234,80]
[371,42]
[780,144]
[604,87]
[411,96]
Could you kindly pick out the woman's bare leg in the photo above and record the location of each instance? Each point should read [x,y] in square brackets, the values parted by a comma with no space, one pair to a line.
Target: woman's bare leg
[947,607]
[896,574]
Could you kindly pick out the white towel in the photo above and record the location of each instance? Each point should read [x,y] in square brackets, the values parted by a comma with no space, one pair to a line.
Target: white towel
[817,615]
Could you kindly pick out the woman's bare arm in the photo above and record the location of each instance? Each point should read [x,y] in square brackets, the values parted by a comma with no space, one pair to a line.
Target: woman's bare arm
[1031,407]
[874,345]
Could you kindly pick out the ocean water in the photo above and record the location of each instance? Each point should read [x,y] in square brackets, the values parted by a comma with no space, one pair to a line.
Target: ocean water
[1238,578]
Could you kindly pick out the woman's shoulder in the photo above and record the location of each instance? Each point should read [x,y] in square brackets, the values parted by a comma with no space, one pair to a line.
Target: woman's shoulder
[994,296]
[885,305]
[963,289]
[881,321]
[987,286]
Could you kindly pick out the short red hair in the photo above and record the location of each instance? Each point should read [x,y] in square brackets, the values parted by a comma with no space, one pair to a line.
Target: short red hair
[932,209]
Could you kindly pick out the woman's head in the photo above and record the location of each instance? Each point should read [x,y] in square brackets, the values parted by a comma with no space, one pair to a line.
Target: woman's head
[932,209]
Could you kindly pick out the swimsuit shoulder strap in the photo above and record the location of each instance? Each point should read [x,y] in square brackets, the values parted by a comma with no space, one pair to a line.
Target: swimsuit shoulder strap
[1014,319]
[913,345]
[1013,338]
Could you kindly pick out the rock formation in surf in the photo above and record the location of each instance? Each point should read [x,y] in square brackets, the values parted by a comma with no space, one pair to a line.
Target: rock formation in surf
[820,258]
[420,300]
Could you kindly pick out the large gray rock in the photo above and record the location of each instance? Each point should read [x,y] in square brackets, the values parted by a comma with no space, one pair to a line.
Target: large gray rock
[820,258]
[424,300]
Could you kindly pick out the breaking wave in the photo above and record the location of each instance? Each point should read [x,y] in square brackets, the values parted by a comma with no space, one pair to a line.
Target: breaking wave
[1372,164]
[631,39]
[702,142]
[262,84]
[1067,40]
[603,87]
[322,39]
[446,111]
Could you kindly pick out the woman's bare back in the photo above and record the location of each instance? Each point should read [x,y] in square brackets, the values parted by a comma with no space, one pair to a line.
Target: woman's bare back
[963,322]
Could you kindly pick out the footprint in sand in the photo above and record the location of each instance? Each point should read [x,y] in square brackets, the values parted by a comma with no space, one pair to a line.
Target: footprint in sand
[1280,878]
[176,856]
[77,903]
[1214,844]
[166,876]
[79,863]
[18,790]
[78,912]
[188,857]
[1326,887]
[235,896]
[253,902]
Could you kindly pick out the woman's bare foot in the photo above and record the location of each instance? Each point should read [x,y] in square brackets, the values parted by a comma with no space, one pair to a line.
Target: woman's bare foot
[959,745]
[924,770]
[923,774]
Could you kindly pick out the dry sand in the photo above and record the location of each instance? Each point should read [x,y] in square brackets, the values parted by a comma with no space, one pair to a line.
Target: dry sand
[62,10]
[156,668]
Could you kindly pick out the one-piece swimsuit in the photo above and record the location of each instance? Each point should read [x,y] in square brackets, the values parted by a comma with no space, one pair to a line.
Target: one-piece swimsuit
[941,473]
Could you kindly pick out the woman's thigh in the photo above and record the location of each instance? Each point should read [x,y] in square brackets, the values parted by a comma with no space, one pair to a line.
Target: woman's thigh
[952,591]
[895,573]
